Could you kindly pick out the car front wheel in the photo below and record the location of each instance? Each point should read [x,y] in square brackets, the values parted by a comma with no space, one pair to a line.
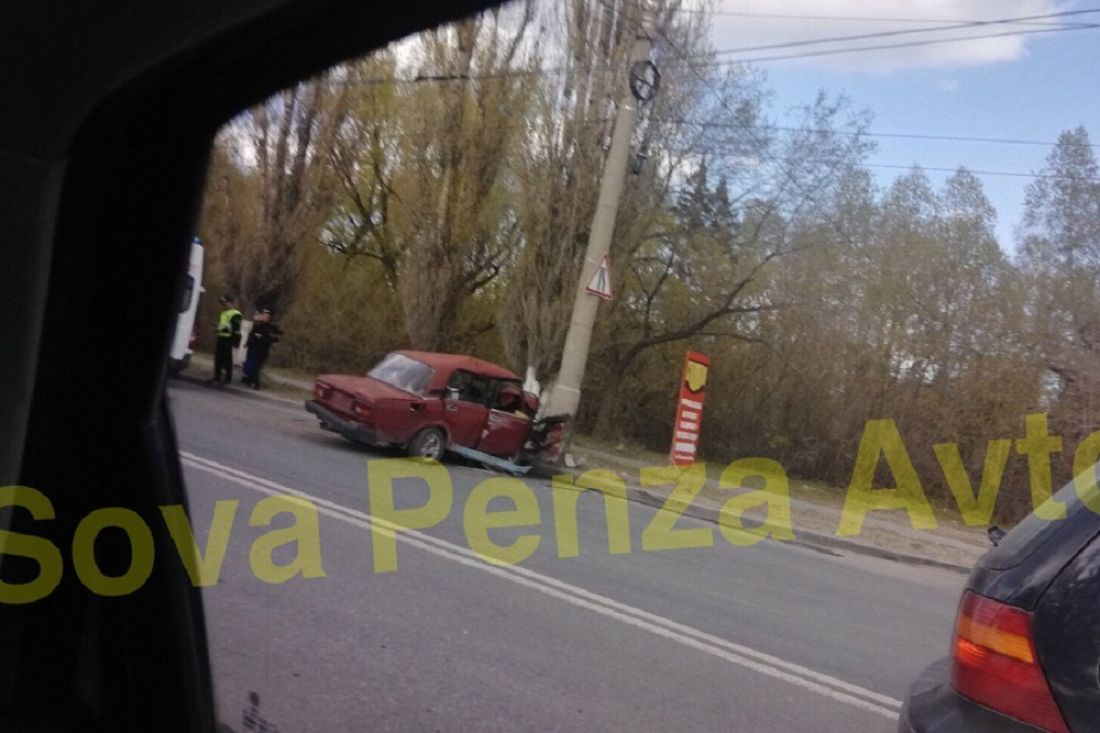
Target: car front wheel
[429,444]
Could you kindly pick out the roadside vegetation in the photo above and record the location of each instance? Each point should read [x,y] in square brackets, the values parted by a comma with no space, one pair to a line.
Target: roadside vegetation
[437,195]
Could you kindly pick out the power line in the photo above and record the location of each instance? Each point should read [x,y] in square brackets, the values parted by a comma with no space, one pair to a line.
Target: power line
[926,29]
[930,169]
[761,146]
[907,44]
[887,135]
[826,18]
[708,62]
[600,121]
[978,172]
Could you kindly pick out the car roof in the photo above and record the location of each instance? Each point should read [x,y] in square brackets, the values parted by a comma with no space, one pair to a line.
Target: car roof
[450,362]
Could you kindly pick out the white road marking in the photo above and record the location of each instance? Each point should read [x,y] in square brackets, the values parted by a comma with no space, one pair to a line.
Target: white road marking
[743,656]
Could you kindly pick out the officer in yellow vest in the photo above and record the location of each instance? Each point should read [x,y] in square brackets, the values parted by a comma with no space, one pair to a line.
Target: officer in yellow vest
[229,338]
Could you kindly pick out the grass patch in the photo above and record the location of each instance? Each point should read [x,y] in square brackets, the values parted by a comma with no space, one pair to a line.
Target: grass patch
[624,457]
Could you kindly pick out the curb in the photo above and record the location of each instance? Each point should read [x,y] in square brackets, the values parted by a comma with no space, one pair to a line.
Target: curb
[807,538]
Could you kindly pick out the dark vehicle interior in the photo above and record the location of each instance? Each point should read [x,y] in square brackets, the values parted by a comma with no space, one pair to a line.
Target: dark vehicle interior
[469,387]
[108,113]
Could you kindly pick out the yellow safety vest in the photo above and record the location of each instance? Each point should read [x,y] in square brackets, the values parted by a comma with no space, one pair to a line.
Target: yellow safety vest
[225,322]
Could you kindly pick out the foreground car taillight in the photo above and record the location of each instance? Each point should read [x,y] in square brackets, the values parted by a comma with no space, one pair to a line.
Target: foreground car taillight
[321,391]
[362,409]
[994,663]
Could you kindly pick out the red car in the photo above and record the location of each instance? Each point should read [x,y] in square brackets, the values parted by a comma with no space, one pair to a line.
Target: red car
[429,403]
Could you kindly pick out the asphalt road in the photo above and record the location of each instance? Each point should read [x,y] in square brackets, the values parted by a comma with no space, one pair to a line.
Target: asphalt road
[772,637]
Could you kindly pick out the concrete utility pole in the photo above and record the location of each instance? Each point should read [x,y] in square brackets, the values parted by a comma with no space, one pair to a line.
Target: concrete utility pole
[566,395]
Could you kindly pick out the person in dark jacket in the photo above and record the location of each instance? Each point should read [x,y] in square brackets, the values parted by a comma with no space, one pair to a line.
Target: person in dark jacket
[263,335]
[229,338]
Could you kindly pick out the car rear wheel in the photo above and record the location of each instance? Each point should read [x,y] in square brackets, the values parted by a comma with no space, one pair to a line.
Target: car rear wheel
[429,443]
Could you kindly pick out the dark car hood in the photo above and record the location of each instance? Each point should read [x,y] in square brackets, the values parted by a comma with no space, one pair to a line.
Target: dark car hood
[366,387]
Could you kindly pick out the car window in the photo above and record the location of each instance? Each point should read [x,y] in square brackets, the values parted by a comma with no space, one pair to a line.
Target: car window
[507,396]
[471,387]
[398,370]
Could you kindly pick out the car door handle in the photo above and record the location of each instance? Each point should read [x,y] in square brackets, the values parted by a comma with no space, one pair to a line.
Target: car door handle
[452,408]
[495,419]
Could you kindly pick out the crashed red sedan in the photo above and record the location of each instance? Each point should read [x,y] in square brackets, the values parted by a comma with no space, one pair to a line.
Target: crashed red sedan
[429,403]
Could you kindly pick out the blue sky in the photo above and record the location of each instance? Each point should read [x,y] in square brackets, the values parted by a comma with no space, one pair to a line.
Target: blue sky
[1027,87]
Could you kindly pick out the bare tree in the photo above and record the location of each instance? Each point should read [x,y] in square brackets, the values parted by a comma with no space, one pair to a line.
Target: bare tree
[424,175]
[282,186]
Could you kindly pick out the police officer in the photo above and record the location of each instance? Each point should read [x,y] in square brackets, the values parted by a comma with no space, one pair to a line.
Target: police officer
[229,338]
[261,337]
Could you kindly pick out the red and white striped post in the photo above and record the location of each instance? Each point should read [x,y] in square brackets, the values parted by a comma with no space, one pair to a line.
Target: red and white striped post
[689,409]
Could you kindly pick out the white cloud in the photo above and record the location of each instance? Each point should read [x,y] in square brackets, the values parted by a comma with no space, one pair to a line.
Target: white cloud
[742,32]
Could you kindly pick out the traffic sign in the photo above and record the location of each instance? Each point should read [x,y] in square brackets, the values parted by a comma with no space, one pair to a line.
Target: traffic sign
[600,284]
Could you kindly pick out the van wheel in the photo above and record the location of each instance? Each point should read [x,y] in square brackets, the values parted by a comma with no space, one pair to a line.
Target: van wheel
[429,444]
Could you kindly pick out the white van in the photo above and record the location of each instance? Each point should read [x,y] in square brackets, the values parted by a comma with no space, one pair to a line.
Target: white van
[183,343]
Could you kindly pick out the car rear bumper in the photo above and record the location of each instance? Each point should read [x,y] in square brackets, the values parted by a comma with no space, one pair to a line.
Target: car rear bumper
[348,428]
[934,707]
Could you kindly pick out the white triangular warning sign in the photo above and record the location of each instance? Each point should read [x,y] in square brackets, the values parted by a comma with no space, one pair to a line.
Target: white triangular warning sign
[600,284]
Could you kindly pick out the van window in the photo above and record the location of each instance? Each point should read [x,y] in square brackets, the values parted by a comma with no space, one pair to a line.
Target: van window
[188,293]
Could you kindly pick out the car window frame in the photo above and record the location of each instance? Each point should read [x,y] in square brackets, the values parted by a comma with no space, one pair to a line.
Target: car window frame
[486,392]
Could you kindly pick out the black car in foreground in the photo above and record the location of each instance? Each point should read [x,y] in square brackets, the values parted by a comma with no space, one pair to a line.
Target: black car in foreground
[1025,655]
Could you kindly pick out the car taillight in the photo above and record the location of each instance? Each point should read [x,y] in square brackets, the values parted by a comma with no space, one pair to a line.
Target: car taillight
[321,391]
[362,409]
[994,663]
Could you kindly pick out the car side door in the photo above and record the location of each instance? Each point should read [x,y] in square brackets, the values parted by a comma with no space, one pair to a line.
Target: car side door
[465,410]
[508,425]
